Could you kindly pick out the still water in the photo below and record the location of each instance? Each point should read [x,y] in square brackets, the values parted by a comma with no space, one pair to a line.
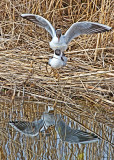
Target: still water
[34,131]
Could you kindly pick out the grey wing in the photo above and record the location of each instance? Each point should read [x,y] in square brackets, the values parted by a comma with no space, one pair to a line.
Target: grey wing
[85,27]
[68,134]
[28,128]
[41,22]
[20,125]
[83,136]
[64,60]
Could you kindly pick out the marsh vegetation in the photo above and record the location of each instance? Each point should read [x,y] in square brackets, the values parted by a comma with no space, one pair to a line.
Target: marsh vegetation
[84,94]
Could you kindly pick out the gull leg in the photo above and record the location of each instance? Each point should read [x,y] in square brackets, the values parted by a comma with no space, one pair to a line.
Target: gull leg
[47,69]
[56,74]
[54,71]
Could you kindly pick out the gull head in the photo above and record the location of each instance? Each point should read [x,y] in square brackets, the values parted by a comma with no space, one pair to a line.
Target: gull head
[57,52]
[58,33]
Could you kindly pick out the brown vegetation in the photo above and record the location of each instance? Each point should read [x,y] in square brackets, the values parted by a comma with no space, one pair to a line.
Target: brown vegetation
[86,84]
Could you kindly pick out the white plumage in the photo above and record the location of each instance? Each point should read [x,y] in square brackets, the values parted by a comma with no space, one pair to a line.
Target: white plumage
[58,60]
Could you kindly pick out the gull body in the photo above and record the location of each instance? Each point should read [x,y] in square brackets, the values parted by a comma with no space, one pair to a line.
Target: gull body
[58,44]
[58,60]
[48,118]
[60,41]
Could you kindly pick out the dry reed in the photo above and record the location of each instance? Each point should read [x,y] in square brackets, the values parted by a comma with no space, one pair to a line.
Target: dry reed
[86,84]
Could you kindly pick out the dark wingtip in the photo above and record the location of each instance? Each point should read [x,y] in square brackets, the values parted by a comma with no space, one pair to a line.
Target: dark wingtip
[10,121]
[13,122]
[94,136]
[109,29]
[22,15]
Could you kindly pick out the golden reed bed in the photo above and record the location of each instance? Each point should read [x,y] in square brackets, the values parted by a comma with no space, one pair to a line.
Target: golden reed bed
[86,84]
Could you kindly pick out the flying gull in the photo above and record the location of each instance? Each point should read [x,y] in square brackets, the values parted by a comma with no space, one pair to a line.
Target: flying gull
[60,41]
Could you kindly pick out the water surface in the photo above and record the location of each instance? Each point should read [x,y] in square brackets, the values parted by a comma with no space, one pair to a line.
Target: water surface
[50,143]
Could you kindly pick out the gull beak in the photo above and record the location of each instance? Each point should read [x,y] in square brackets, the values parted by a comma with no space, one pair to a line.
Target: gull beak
[58,36]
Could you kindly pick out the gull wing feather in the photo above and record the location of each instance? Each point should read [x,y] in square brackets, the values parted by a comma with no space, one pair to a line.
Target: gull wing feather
[41,22]
[85,27]
[28,128]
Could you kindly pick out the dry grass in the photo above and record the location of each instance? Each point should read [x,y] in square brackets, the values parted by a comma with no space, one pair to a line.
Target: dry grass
[86,86]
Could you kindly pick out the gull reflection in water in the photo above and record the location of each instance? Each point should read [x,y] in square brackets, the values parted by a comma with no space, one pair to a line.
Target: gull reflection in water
[65,132]
[28,128]
[71,135]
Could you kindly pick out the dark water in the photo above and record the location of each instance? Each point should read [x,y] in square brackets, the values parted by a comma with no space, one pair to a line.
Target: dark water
[58,138]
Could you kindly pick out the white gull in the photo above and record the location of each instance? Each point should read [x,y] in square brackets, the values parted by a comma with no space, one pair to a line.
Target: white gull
[60,41]
[58,60]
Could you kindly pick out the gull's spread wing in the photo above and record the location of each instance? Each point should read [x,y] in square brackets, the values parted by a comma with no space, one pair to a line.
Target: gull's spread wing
[41,22]
[85,27]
